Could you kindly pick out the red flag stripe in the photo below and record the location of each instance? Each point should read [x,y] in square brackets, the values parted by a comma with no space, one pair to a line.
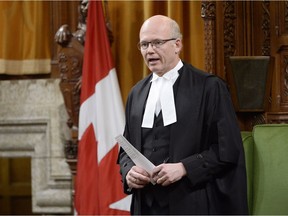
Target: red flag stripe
[97,39]
[87,149]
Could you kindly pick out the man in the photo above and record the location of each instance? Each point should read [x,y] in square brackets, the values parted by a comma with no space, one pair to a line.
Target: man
[194,140]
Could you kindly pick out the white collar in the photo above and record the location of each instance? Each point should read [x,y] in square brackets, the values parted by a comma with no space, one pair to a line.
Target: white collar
[170,75]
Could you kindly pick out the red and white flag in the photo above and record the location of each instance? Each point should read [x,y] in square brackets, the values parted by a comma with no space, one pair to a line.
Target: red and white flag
[98,187]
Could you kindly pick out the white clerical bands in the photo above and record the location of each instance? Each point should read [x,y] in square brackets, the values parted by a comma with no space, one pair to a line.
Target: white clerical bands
[161,96]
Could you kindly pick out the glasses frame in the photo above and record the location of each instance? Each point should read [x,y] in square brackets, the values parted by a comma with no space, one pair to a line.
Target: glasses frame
[154,43]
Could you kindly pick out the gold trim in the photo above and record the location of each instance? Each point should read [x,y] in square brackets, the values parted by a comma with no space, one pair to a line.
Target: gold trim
[21,67]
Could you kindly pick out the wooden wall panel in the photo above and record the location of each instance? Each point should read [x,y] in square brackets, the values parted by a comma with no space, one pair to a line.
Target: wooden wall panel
[250,28]
[284,79]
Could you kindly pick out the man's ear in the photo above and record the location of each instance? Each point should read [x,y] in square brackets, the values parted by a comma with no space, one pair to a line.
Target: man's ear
[178,45]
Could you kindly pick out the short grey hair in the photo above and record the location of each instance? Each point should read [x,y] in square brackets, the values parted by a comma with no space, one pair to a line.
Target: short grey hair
[175,29]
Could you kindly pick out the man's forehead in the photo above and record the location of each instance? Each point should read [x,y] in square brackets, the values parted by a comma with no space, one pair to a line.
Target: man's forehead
[154,32]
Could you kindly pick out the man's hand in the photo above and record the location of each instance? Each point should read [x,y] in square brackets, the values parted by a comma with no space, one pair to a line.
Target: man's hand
[137,177]
[166,174]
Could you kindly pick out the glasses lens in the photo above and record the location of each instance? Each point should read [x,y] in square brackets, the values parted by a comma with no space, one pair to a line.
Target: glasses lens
[143,45]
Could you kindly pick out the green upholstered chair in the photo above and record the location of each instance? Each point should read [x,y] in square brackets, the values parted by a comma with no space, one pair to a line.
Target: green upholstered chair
[270,169]
[248,143]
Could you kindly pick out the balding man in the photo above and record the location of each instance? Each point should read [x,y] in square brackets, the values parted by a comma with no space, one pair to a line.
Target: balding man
[183,121]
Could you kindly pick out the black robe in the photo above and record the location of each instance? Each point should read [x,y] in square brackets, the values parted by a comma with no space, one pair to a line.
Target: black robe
[206,139]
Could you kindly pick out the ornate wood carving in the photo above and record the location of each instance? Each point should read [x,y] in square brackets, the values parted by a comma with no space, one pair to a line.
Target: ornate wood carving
[276,117]
[61,12]
[248,120]
[284,79]
[229,28]
[208,13]
[258,119]
[70,149]
[70,67]
[286,16]
[248,28]
[70,59]
[266,48]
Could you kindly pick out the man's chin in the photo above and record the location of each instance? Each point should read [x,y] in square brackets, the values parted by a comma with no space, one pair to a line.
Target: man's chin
[154,68]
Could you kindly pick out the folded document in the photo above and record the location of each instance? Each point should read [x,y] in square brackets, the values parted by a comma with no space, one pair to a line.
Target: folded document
[139,159]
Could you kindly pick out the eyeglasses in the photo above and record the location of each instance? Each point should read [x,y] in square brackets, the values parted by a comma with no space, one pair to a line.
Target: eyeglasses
[154,43]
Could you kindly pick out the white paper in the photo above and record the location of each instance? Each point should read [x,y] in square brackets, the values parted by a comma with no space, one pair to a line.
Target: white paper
[136,156]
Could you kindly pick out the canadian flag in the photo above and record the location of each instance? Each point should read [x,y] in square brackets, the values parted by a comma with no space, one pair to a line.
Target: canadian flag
[98,187]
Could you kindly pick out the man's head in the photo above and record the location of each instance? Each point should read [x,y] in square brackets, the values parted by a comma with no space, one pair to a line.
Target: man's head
[160,43]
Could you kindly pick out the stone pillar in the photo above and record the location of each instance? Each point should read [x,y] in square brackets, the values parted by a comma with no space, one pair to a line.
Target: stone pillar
[33,124]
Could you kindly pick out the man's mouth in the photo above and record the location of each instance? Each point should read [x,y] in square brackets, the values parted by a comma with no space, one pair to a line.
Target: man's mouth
[153,60]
